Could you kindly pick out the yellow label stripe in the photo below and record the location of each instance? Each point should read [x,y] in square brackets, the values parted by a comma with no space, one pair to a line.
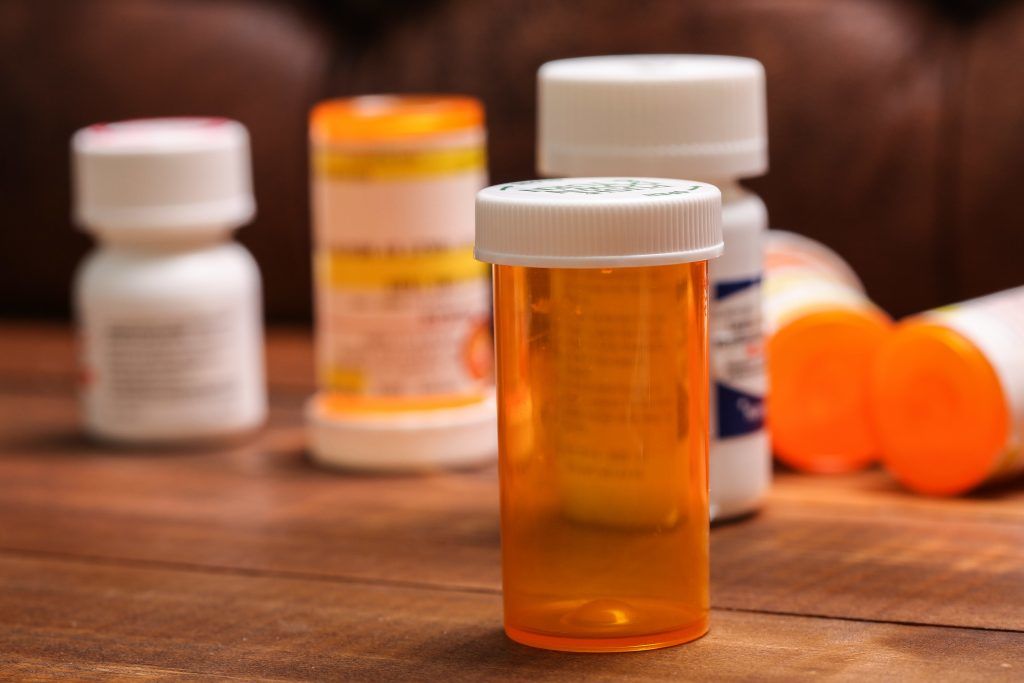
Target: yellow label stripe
[404,269]
[348,380]
[394,165]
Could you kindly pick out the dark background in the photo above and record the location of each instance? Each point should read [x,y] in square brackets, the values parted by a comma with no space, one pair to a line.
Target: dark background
[896,126]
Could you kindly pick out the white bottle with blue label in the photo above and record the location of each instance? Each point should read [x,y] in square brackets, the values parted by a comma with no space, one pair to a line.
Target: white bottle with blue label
[740,458]
[685,116]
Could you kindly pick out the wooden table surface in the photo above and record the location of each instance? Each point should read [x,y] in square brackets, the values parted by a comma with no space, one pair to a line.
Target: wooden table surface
[248,562]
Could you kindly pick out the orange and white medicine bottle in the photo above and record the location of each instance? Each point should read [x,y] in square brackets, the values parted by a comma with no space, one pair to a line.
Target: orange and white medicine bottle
[823,336]
[601,296]
[949,395]
[403,343]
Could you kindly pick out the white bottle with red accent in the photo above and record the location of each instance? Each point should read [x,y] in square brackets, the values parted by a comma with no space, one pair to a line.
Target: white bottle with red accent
[168,304]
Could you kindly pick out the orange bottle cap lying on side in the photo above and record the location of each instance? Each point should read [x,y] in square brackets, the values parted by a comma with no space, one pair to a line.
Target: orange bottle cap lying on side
[940,410]
[382,118]
[819,368]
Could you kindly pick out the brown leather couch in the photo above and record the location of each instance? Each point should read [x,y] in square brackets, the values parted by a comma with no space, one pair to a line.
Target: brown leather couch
[897,126]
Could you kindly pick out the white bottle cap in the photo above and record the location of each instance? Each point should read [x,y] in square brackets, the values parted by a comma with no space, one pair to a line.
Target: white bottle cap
[160,174]
[406,441]
[681,116]
[598,222]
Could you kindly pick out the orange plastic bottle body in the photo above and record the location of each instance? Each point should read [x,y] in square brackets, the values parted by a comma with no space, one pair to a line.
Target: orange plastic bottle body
[603,437]
[824,335]
[949,396]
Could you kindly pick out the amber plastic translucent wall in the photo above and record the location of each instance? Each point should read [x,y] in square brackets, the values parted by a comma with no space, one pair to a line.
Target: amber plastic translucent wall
[603,430]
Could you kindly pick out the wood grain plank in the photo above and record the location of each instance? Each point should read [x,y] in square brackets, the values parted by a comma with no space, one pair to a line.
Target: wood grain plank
[40,357]
[263,507]
[853,546]
[96,620]
[259,505]
[873,494]
[797,560]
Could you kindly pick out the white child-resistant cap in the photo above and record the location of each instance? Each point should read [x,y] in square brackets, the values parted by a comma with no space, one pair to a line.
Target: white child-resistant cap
[681,116]
[172,173]
[598,222]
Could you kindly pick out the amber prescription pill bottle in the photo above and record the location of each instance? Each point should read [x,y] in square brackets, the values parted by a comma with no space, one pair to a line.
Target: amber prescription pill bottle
[685,116]
[949,395]
[168,305]
[823,336]
[403,341]
[600,290]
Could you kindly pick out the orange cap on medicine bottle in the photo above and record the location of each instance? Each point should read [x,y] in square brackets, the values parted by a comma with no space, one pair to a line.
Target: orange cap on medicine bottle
[403,346]
[823,336]
[601,297]
[949,396]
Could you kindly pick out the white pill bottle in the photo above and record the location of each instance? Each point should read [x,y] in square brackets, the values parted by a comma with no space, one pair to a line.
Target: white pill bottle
[685,116]
[168,305]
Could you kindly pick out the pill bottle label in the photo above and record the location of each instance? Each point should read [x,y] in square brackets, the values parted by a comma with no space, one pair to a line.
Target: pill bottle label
[404,323]
[153,374]
[737,357]
[403,308]
[622,345]
[793,292]
[804,277]
[995,324]
[787,250]
[400,164]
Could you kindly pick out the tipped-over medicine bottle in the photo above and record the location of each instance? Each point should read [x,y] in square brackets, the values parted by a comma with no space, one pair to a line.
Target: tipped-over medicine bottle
[949,396]
[823,337]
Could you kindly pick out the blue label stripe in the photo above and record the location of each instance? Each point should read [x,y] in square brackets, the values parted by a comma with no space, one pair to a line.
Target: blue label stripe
[730,287]
[738,412]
